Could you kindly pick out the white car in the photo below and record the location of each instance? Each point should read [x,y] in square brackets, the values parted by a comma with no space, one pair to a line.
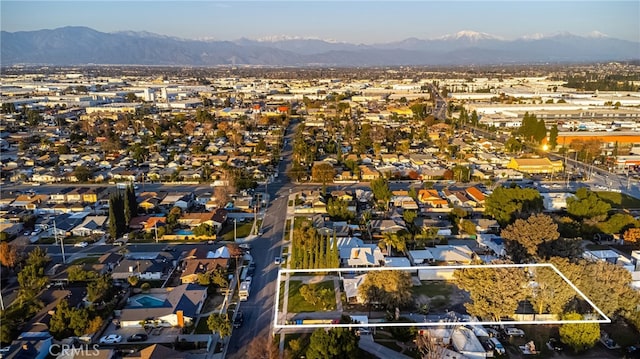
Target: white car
[111,339]
[514,332]
[81,244]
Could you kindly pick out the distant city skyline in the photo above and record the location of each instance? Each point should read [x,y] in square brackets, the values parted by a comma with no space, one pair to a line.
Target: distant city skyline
[366,22]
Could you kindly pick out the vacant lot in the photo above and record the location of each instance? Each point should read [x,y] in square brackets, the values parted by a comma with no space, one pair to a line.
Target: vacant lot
[297,303]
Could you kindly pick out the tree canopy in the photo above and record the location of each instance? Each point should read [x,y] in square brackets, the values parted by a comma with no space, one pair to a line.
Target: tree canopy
[528,235]
[495,292]
[219,323]
[381,191]
[551,293]
[579,336]
[391,288]
[334,343]
[323,172]
[587,204]
[505,204]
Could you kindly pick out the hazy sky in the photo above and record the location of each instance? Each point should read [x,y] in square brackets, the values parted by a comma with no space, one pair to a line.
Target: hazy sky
[355,21]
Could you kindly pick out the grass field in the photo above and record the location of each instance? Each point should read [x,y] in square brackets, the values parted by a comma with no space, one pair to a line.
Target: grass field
[242,230]
[619,200]
[297,304]
[433,289]
[202,327]
[86,260]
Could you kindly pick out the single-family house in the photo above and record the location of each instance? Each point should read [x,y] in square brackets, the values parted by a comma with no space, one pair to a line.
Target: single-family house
[92,225]
[452,254]
[177,307]
[431,198]
[153,267]
[32,345]
[203,260]
[369,255]
[351,286]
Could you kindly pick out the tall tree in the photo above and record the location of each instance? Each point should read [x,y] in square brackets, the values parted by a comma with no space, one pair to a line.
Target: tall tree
[587,204]
[219,323]
[334,343]
[381,191]
[8,254]
[394,240]
[495,292]
[550,293]
[553,137]
[323,172]
[579,336]
[529,234]
[260,348]
[506,204]
[391,288]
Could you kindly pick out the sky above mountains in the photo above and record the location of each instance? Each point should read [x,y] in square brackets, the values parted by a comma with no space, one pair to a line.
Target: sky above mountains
[367,22]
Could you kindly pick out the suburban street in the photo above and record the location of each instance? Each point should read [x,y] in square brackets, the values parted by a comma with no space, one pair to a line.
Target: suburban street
[258,309]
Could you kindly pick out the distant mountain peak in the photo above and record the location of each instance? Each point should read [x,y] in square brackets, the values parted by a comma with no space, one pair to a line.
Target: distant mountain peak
[470,36]
[145,34]
[597,35]
[277,38]
[536,36]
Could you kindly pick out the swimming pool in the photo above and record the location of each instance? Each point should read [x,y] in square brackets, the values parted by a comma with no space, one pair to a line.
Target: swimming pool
[149,301]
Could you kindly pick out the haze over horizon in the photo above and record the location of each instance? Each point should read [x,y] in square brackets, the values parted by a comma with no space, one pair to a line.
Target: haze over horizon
[367,22]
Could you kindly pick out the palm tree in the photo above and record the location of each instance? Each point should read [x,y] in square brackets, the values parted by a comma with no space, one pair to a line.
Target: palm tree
[395,240]
[426,234]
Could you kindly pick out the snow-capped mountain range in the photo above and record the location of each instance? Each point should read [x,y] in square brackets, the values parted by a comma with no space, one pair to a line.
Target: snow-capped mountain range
[82,45]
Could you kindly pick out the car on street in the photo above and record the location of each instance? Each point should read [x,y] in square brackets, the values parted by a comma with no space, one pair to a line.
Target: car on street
[239,319]
[111,339]
[81,244]
[141,337]
[514,332]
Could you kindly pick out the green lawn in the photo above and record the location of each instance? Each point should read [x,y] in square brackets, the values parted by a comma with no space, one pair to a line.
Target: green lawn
[297,304]
[433,289]
[86,260]
[619,200]
[202,327]
[242,230]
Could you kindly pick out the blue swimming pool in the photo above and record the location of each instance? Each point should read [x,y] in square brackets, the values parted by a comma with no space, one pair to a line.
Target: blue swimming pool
[149,302]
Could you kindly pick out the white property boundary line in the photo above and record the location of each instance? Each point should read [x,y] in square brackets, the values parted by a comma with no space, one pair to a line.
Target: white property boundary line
[276,325]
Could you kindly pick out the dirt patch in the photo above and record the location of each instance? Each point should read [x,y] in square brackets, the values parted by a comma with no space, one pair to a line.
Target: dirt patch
[213,302]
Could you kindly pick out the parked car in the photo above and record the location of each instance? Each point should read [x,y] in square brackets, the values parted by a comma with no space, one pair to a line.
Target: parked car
[555,344]
[239,319]
[111,339]
[138,338]
[81,244]
[497,346]
[514,332]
